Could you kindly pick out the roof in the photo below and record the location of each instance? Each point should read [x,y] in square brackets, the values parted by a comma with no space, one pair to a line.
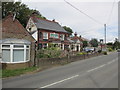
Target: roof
[14,41]
[14,29]
[75,38]
[48,25]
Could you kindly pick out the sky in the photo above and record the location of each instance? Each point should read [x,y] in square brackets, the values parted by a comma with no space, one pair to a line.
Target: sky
[103,11]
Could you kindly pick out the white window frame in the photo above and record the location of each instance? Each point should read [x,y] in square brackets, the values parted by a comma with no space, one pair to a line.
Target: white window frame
[12,48]
[44,34]
[62,37]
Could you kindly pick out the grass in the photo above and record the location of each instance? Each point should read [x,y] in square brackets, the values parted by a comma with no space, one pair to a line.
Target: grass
[16,72]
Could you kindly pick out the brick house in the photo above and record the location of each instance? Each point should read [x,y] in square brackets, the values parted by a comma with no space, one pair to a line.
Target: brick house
[77,45]
[17,45]
[46,31]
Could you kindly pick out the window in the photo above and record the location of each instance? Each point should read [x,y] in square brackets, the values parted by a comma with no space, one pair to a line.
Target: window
[40,35]
[15,53]
[62,36]
[27,54]
[18,55]
[6,55]
[45,45]
[45,35]
[54,35]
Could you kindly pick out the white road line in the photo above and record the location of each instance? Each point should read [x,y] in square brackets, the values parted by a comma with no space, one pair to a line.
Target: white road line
[59,81]
[96,68]
[112,61]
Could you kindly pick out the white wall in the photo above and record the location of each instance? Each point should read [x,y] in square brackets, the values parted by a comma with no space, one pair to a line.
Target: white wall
[31,25]
[35,35]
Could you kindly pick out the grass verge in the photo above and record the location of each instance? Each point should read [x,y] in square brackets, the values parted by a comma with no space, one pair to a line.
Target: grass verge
[16,72]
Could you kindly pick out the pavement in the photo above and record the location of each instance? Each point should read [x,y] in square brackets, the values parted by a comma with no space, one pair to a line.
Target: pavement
[96,72]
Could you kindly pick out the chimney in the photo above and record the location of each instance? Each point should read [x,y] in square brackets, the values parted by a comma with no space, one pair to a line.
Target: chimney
[34,14]
[80,36]
[10,13]
[75,34]
[53,20]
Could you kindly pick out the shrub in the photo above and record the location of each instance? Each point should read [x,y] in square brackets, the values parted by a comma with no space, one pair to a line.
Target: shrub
[110,49]
[105,53]
[81,53]
[51,52]
[99,51]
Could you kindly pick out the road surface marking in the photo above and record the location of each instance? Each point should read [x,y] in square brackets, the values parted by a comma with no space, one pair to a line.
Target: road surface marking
[112,61]
[59,81]
[96,68]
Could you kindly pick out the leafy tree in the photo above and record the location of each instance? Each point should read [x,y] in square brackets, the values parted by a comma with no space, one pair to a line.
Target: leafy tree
[116,45]
[85,44]
[68,29]
[109,44]
[21,10]
[94,42]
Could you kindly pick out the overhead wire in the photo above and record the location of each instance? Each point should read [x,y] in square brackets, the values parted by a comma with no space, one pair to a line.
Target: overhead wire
[83,13]
[111,12]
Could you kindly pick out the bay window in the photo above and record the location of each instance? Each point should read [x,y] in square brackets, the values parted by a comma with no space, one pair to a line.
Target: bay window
[14,53]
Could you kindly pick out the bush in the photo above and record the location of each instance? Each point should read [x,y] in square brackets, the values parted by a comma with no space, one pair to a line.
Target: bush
[110,49]
[51,52]
[99,51]
[81,53]
[105,53]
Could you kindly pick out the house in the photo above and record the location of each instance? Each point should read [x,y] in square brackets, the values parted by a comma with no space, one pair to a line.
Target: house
[77,45]
[17,45]
[46,31]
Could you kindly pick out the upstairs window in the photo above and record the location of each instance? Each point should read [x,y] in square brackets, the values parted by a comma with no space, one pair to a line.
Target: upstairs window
[40,35]
[62,36]
[45,35]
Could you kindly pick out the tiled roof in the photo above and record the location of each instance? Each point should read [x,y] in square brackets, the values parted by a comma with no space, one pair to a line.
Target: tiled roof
[75,38]
[48,25]
[13,29]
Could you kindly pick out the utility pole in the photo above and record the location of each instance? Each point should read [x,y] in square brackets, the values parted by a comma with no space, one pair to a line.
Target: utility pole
[105,35]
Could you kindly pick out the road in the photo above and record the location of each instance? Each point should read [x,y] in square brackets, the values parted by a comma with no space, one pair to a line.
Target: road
[96,72]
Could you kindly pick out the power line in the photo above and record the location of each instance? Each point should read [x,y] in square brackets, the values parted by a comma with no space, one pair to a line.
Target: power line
[83,13]
[111,12]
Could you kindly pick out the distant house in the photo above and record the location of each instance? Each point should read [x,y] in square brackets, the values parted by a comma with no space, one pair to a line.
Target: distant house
[46,31]
[77,45]
[18,46]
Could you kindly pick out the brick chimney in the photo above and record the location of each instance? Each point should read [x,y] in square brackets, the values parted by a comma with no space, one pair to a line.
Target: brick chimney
[75,34]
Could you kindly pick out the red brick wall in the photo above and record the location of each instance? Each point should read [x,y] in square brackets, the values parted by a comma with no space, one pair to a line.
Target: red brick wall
[41,40]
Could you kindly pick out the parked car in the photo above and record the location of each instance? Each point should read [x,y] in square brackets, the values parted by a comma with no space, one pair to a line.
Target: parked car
[118,50]
[89,49]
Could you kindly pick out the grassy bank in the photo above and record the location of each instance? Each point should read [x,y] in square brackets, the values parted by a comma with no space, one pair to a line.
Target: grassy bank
[16,72]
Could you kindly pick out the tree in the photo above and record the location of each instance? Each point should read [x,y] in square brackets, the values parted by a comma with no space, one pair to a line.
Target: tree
[85,44]
[116,45]
[94,42]
[21,10]
[68,29]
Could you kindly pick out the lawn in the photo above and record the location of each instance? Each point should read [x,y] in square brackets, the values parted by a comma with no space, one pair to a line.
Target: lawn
[16,72]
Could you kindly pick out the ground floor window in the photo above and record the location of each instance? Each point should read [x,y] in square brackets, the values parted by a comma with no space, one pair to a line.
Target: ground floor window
[15,53]
[45,45]
[6,55]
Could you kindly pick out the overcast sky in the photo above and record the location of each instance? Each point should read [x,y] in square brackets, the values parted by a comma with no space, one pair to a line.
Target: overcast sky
[66,15]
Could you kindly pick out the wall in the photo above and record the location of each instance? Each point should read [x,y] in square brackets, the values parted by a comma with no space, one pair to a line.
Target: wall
[60,61]
[15,65]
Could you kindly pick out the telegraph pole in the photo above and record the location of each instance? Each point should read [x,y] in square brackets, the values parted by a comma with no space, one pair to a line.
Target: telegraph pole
[105,35]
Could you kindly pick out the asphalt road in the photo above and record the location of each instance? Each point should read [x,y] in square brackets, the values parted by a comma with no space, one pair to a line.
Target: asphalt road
[96,72]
